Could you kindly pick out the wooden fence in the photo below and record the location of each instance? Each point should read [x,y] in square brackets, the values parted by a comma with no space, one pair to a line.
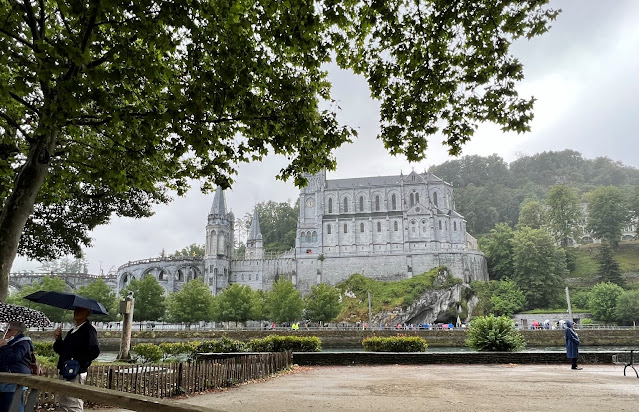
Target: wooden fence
[169,379]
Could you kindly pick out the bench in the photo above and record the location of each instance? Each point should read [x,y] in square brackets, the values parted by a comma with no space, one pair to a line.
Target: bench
[626,359]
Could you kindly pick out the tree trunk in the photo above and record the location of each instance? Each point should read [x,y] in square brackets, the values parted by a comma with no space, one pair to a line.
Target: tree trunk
[19,205]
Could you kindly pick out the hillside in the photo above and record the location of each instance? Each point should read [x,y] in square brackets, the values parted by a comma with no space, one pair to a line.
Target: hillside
[585,273]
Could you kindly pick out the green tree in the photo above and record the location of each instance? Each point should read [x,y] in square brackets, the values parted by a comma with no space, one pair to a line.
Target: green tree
[498,247]
[564,213]
[634,207]
[193,250]
[235,304]
[193,303]
[498,297]
[603,301]
[65,265]
[323,303]
[284,303]
[609,269]
[490,333]
[533,215]
[100,291]
[150,300]
[627,310]
[278,223]
[105,106]
[49,283]
[607,213]
[539,267]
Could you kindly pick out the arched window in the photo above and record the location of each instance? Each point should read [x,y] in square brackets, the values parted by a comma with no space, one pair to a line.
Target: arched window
[303,237]
[416,197]
[328,229]
[435,198]
[412,199]
[314,237]
[180,276]
[376,202]
[257,276]
[345,228]
[446,225]
[455,226]
[249,276]
[215,272]
[394,202]
[361,203]
[226,272]
[440,225]
[361,227]
[345,204]
[330,205]
[379,226]
[395,226]
[242,276]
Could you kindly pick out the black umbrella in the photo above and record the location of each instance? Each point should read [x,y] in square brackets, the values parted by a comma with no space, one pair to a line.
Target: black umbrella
[67,301]
[30,317]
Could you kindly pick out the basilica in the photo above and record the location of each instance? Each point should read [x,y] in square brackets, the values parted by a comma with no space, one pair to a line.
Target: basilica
[384,227]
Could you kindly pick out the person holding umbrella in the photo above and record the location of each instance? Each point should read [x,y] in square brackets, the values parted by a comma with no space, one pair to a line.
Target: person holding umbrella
[15,357]
[80,344]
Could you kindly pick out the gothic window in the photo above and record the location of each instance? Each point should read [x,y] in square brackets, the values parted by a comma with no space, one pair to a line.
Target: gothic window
[257,276]
[379,226]
[345,228]
[314,236]
[376,202]
[328,229]
[161,276]
[395,226]
[455,226]
[180,276]
[361,227]
[249,276]
[446,225]
[330,205]
[361,203]
[242,276]
[394,202]
[303,237]
[416,197]
[225,272]
[345,204]
[440,225]
[435,199]
[215,272]
[412,199]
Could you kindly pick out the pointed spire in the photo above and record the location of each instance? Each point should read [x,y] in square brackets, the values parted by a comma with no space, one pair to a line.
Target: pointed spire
[255,232]
[219,203]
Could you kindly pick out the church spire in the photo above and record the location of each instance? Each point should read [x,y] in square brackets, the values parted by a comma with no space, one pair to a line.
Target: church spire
[219,203]
[255,232]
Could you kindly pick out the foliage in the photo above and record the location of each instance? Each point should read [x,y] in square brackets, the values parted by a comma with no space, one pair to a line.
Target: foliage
[586,321]
[498,297]
[490,333]
[148,352]
[397,343]
[634,207]
[177,349]
[323,303]
[193,250]
[278,224]
[276,343]
[284,303]
[235,304]
[150,301]
[603,301]
[98,289]
[384,295]
[539,267]
[222,345]
[498,247]
[48,283]
[193,303]
[627,309]
[609,269]
[564,213]
[532,214]
[44,349]
[580,299]
[607,213]
[64,265]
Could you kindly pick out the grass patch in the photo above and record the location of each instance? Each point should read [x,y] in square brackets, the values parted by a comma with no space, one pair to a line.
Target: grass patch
[385,296]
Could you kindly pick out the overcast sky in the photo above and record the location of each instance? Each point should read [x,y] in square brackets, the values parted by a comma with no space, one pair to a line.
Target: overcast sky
[584,74]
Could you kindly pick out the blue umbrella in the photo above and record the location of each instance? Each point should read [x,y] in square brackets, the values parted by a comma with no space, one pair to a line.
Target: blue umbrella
[67,301]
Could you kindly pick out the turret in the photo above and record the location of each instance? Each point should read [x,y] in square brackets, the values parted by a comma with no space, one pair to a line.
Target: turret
[219,243]
[254,243]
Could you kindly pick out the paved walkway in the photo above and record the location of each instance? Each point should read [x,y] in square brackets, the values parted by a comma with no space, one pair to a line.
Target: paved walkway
[434,388]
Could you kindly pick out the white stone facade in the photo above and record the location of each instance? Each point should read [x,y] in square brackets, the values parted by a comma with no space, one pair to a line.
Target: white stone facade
[387,228]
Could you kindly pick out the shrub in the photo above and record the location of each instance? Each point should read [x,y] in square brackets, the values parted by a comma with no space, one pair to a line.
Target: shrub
[395,344]
[175,349]
[44,349]
[222,345]
[275,343]
[490,333]
[148,352]
[586,321]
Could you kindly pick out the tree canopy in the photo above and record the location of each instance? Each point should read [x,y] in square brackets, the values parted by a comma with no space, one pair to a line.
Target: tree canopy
[100,291]
[235,304]
[564,213]
[607,213]
[105,107]
[48,283]
[193,303]
[284,303]
[323,303]
[150,301]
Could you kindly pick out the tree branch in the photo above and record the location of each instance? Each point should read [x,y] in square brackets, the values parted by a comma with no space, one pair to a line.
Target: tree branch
[41,20]
[24,103]
[17,38]
[14,124]
[91,25]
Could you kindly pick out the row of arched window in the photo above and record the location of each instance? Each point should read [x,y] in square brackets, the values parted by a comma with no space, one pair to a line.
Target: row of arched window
[308,237]
[362,227]
[414,199]
[249,276]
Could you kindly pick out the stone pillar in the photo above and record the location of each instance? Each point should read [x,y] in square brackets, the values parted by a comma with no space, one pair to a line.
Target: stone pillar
[126,310]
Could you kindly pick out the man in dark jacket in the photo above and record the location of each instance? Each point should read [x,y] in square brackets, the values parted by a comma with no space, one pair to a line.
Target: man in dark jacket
[572,344]
[81,344]
[15,357]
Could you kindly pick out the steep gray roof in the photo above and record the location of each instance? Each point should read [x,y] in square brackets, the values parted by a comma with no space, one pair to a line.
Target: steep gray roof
[219,203]
[255,232]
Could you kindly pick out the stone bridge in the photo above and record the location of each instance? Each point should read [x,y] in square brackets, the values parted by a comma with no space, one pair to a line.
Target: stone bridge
[74,280]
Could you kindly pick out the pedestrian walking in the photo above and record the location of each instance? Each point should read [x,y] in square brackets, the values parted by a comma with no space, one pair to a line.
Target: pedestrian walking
[572,345]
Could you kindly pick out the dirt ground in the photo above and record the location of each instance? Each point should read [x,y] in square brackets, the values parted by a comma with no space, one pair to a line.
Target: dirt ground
[434,388]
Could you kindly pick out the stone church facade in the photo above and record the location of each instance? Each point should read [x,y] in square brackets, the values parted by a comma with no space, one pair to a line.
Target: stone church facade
[386,228]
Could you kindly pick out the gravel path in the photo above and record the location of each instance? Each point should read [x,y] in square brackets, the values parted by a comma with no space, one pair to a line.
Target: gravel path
[434,388]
